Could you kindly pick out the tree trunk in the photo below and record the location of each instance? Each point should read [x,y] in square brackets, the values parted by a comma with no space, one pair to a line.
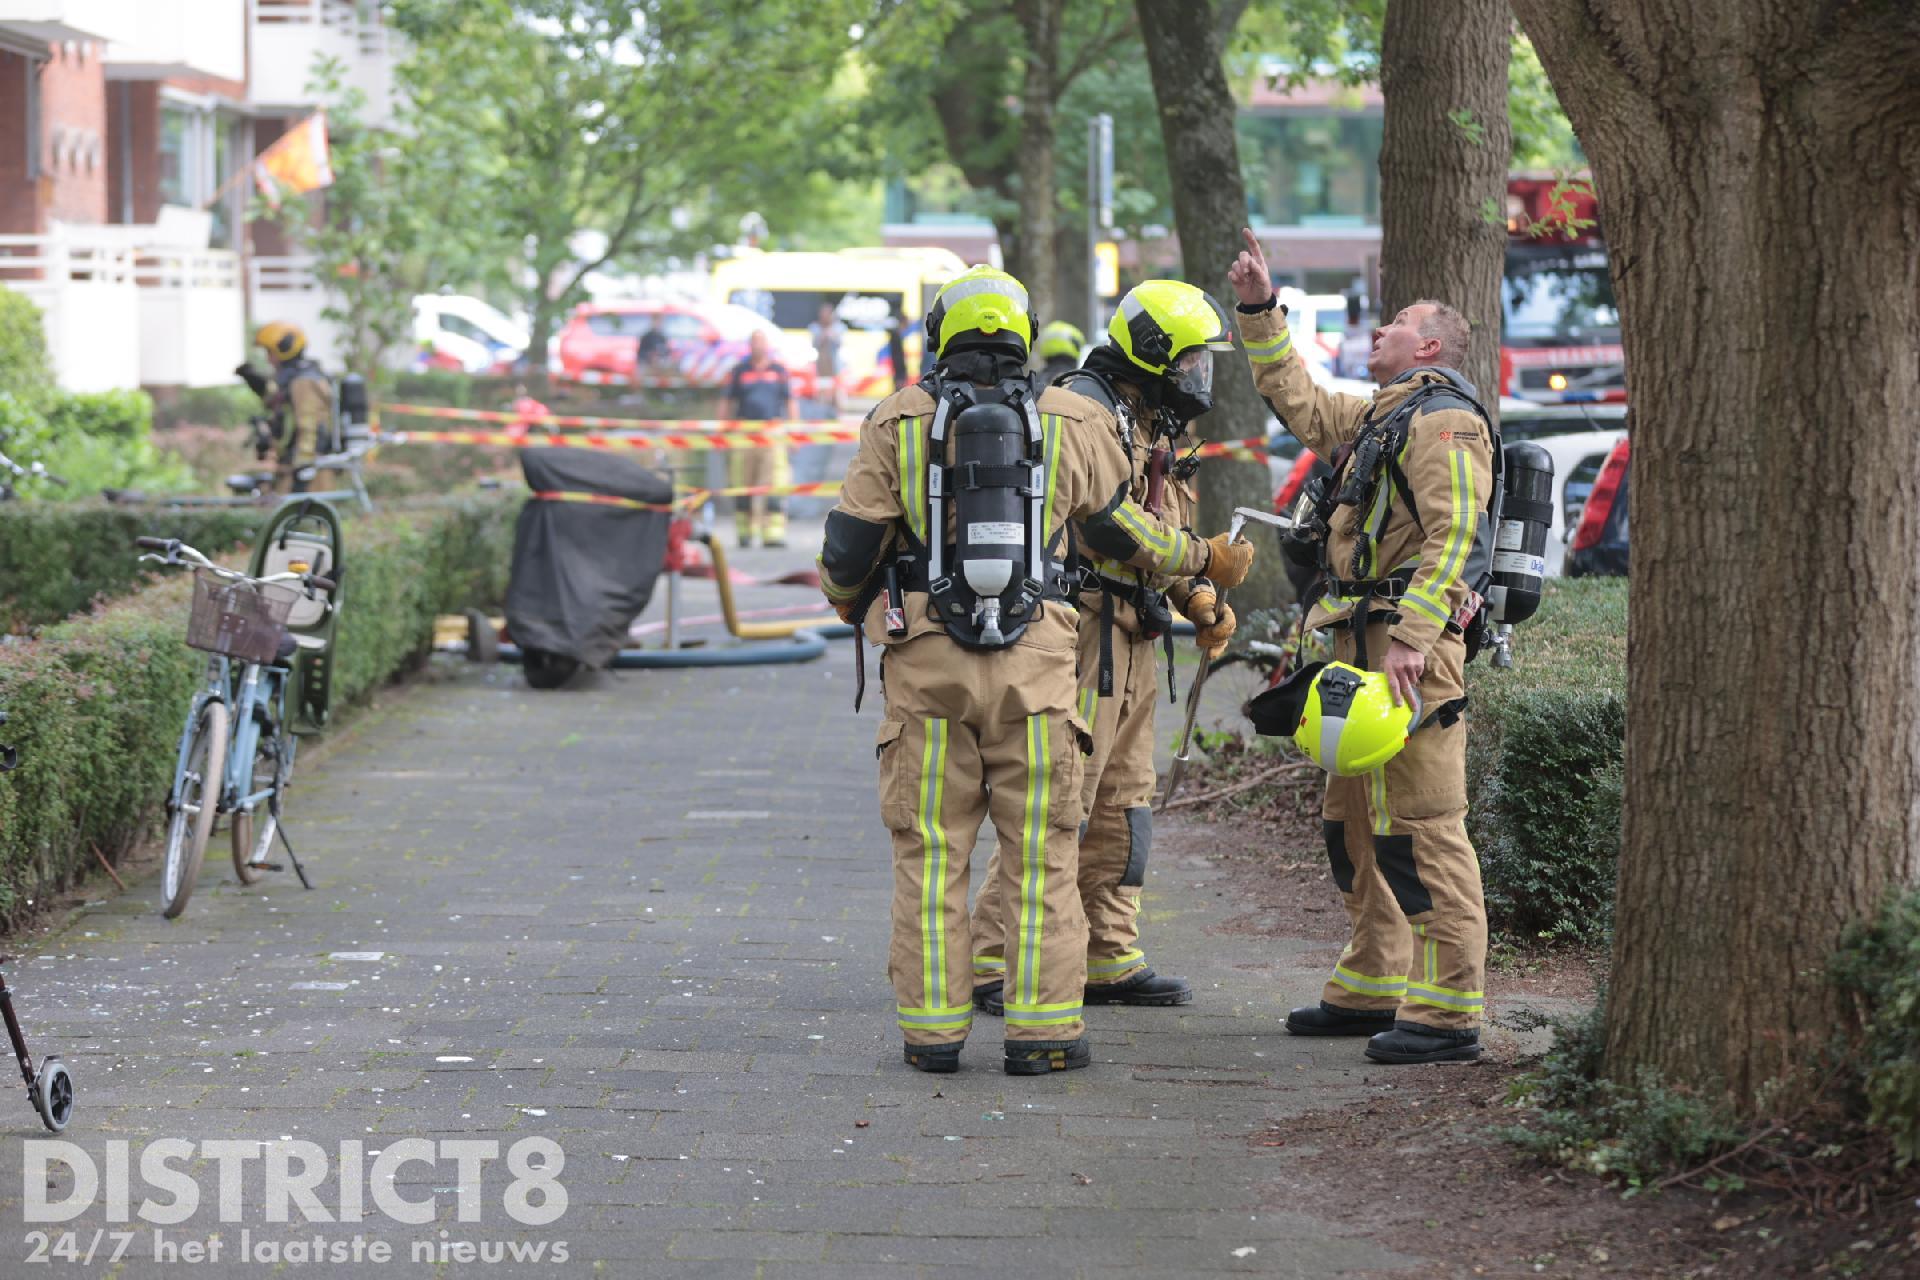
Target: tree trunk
[1040,23]
[1070,269]
[1209,208]
[1755,165]
[1443,167]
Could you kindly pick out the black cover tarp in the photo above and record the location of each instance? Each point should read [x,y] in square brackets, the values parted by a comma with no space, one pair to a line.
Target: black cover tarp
[582,572]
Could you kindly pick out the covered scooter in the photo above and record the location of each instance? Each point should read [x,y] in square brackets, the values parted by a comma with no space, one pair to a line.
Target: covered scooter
[587,550]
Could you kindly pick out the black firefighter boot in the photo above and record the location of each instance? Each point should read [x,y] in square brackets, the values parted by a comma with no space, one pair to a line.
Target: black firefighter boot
[940,1059]
[1326,1019]
[986,998]
[1038,1057]
[1143,988]
[1417,1042]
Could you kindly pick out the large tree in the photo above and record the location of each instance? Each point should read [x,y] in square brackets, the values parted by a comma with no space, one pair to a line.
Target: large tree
[1184,42]
[1758,170]
[1443,166]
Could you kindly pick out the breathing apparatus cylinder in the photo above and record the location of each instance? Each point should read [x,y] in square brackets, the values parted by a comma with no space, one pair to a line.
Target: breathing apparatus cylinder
[1519,555]
[990,449]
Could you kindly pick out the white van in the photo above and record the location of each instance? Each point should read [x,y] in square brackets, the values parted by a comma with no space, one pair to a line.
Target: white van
[475,334]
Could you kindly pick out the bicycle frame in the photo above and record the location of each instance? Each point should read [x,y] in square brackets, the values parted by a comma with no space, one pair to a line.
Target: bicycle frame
[259,684]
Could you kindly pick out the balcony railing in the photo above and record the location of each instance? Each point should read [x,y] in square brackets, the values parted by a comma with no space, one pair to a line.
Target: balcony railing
[291,36]
[89,307]
[286,289]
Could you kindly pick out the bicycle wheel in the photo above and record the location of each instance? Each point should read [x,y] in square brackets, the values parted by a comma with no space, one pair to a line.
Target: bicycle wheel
[268,756]
[192,819]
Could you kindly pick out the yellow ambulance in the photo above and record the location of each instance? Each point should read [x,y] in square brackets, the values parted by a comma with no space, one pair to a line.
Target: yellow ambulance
[868,289]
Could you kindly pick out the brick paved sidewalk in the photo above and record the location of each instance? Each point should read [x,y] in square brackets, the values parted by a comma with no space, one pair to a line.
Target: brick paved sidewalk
[648,921]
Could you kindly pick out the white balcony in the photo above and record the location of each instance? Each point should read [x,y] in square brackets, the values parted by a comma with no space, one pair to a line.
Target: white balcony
[56,20]
[290,37]
[89,307]
[192,316]
[286,289]
[182,38]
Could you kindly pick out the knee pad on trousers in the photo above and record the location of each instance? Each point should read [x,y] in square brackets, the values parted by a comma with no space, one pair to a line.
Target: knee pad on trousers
[1395,856]
[1336,834]
[1139,842]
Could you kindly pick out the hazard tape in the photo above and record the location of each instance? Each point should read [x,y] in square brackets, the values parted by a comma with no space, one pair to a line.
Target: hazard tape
[682,426]
[691,499]
[623,440]
[594,378]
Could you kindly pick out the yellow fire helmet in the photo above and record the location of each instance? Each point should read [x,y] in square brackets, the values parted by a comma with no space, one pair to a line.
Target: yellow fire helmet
[983,306]
[1350,725]
[282,341]
[1061,339]
[1159,321]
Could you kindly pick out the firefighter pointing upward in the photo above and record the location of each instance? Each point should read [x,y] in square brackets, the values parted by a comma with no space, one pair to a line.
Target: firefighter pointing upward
[948,543]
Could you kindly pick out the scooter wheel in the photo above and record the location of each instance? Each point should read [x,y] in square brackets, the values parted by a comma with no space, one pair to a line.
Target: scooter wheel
[53,1094]
[545,670]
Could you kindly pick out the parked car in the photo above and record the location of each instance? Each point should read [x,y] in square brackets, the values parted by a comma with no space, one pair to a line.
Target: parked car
[612,342]
[1598,547]
[454,331]
[1525,420]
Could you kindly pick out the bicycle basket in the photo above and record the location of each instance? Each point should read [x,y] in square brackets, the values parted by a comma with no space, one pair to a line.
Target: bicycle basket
[243,620]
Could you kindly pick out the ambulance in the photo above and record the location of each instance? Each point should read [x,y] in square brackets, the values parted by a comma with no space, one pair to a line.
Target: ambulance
[868,288]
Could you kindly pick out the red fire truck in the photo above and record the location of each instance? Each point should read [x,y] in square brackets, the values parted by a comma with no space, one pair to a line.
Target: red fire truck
[1560,330]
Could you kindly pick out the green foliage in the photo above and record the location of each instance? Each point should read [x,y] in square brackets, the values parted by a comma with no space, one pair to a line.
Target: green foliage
[25,371]
[1879,966]
[97,702]
[1544,765]
[56,560]
[228,405]
[1633,1133]
[1542,135]
[104,440]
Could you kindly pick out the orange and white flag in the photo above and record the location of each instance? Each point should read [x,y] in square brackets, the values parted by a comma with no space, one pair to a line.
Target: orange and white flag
[298,162]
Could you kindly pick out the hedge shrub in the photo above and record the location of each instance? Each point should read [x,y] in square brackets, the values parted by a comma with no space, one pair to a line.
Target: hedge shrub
[1879,966]
[1544,765]
[25,371]
[228,405]
[57,559]
[97,702]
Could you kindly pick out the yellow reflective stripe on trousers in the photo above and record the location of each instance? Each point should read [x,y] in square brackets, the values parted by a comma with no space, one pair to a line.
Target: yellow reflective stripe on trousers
[1377,802]
[936,1018]
[988,966]
[1033,865]
[933,861]
[1364,984]
[1106,968]
[1277,348]
[1089,706]
[1445,997]
[1043,1015]
[1460,526]
[913,476]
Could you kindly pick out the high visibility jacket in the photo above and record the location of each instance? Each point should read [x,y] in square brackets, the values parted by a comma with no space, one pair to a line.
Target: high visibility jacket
[1447,466]
[1087,476]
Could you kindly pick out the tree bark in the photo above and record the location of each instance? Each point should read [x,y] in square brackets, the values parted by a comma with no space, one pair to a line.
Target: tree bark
[1757,172]
[1040,24]
[1443,167]
[1070,253]
[1197,112]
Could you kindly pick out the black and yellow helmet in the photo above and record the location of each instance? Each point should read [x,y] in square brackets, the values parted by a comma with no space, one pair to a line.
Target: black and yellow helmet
[282,341]
[1169,329]
[1061,339]
[981,307]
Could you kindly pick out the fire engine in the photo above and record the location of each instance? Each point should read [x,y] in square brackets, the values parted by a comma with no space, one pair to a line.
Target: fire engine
[1560,326]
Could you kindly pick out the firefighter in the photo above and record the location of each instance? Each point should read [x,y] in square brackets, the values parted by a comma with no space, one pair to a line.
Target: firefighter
[299,403]
[1059,349]
[978,655]
[1404,535]
[1154,374]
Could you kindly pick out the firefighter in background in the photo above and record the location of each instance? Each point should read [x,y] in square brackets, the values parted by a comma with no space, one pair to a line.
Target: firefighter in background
[1154,375]
[1059,350]
[980,687]
[299,405]
[760,390]
[1402,529]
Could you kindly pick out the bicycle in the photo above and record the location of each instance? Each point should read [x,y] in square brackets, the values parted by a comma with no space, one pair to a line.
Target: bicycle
[237,725]
[11,471]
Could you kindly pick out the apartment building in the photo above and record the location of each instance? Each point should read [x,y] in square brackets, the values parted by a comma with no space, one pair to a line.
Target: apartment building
[127,128]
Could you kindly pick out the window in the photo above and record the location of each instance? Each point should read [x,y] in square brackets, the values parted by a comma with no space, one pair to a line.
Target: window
[1312,168]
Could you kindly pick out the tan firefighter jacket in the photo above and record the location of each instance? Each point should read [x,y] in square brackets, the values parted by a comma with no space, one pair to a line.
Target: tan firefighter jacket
[1447,464]
[1088,480]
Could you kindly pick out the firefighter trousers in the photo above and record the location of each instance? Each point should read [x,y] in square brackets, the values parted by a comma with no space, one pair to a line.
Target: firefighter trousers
[1118,795]
[1397,842]
[970,736]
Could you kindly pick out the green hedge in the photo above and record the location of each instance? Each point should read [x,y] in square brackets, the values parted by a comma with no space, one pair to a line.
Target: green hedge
[97,702]
[25,371]
[227,405]
[57,559]
[1544,765]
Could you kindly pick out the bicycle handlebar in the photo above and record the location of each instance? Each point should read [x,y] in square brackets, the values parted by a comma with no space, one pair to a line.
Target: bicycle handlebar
[175,551]
[324,584]
[153,544]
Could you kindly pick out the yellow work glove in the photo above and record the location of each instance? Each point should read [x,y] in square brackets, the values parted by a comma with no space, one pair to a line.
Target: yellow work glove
[1227,562]
[1212,618]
